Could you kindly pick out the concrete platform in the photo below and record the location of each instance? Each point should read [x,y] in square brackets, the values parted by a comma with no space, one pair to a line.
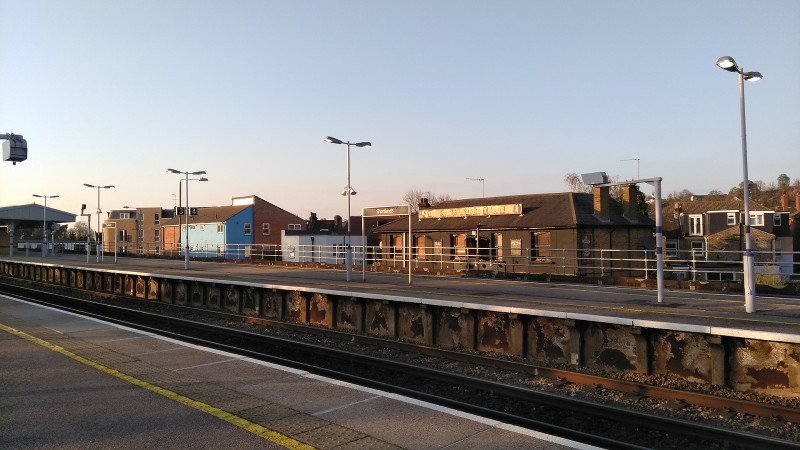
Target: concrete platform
[71,382]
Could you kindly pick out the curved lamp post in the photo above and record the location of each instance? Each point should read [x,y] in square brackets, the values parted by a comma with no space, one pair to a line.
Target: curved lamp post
[727,63]
[99,227]
[186,211]
[348,191]
[44,221]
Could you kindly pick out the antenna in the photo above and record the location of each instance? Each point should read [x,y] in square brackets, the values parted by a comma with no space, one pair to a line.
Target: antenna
[637,166]
[483,190]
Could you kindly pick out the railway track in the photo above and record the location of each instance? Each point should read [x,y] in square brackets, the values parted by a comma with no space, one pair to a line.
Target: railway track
[599,424]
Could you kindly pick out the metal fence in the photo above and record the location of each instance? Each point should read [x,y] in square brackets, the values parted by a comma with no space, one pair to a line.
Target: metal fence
[681,265]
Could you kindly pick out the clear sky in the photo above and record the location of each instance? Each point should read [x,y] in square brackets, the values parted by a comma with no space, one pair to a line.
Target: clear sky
[518,93]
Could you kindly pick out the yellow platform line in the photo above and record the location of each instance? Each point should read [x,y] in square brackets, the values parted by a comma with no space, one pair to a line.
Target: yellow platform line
[252,427]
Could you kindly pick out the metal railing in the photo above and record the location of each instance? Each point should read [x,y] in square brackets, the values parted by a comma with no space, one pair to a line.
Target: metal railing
[681,265]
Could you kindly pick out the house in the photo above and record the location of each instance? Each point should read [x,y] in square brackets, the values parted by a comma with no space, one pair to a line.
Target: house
[557,233]
[135,230]
[325,241]
[249,226]
[707,237]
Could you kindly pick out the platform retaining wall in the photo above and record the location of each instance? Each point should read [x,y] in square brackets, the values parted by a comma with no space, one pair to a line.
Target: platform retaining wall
[739,363]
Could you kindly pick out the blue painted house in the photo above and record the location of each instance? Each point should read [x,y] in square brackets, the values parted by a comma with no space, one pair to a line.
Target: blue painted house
[215,232]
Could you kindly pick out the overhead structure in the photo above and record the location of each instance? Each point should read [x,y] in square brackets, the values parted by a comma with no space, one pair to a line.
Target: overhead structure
[15,148]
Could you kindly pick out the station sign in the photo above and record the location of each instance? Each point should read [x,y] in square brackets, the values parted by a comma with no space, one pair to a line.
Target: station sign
[181,211]
[382,211]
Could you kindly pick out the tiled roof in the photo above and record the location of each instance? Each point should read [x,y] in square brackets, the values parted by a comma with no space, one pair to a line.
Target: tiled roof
[539,211]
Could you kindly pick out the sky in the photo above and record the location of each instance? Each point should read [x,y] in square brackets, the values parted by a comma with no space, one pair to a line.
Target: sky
[517,93]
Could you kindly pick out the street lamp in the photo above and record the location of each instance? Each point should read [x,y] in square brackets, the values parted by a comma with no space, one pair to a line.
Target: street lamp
[348,191]
[186,211]
[44,221]
[749,284]
[100,228]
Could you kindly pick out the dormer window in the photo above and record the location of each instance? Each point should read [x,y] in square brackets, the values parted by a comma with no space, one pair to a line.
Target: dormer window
[695,224]
[731,219]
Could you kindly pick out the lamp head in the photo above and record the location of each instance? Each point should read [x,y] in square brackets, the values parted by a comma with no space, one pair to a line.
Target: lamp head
[88,185]
[199,172]
[727,63]
[203,179]
[333,140]
[364,144]
[752,76]
[174,171]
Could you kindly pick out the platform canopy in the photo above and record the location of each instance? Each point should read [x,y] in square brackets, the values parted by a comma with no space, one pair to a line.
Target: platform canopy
[32,214]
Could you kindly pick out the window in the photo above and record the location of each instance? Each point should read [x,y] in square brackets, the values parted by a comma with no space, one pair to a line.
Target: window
[756,219]
[140,234]
[399,246]
[420,244]
[220,228]
[122,236]
[192,227]
[540,245]
[698,249]
[202,228]
[156,235]
[776,220]
[778,246]
[460,243]
[141,218]
[731,219]
[671,248]
[264,229]
[695,225]
[295,226]
[156,219]
[124,215]
[248,229]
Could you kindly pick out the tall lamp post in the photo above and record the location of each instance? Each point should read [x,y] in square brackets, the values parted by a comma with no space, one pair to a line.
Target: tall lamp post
[99,227]
[44,221]
[186,211]
[348,191]
[748,272]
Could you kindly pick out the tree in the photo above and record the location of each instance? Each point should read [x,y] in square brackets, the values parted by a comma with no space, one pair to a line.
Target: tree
[413,197]
[575,183]
[783,182]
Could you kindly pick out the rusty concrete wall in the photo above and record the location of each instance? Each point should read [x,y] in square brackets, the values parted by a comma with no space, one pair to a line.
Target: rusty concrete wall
[320,311]
[415,324]
[232,299]
[296,307]
[196,294]
[349,314]
[380,319]
[140,287]
[550,340]
[691,356]
[152,289]
[765,367]
[213,298]
[500,333]
[251,301]
[181,293]
[273,305]
[615,348]
[165,289]
[456,329]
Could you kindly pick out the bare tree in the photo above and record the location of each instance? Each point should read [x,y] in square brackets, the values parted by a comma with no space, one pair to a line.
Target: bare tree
[413,197]
[575,184]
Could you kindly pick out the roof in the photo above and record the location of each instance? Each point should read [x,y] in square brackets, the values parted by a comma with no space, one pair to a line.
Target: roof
[539,211]
[212,214]
[34,213]
[703,206]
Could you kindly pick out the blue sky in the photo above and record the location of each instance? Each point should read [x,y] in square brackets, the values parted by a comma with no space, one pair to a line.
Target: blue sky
[518,93]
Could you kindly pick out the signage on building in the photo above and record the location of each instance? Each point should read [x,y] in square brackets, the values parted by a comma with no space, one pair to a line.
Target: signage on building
[379,211]
[110,225]
[472,211]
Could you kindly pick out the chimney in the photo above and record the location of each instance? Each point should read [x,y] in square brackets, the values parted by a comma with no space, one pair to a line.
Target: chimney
[784,202]
[602,202]
[423,203]
[630,201]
